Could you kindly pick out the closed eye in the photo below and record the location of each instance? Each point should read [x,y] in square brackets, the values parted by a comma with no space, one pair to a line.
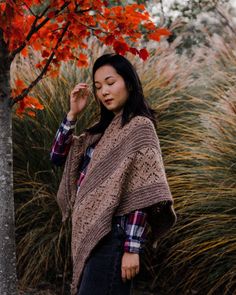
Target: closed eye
[99,87]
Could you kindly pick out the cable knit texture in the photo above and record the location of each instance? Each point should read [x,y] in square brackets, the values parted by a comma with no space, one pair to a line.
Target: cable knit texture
[126,173]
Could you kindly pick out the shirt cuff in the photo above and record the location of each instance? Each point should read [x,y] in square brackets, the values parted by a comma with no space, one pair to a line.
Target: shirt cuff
[133,246]
[67,125]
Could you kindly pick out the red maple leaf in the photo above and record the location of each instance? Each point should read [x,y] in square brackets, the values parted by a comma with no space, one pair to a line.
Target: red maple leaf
[120,47]
[143,53]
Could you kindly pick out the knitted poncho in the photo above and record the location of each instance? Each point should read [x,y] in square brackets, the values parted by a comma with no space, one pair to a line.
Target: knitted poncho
[126,173]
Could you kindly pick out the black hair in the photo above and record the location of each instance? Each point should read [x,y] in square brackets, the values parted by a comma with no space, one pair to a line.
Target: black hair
[135,105]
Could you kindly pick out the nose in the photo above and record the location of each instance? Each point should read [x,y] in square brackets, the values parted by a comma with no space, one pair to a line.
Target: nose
[105,91]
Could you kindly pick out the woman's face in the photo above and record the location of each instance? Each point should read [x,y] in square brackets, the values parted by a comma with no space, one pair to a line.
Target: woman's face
[110,88]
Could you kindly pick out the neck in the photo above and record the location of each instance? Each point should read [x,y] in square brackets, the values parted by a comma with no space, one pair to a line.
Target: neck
[119,113]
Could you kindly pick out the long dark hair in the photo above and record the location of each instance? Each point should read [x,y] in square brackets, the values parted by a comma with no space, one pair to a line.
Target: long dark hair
[135,104]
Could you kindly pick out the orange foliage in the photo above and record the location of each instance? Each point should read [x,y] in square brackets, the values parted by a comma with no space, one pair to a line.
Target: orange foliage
[19,87]
[116,26]
[82,60]
[27,105]
[158,33]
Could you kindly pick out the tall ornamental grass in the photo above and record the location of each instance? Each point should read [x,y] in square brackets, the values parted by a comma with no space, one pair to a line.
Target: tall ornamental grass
[195,102]
[201,255]
[43,242]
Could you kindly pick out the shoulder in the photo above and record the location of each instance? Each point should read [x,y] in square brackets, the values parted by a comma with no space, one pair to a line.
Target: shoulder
[140,123]
[142,132]
[140,120]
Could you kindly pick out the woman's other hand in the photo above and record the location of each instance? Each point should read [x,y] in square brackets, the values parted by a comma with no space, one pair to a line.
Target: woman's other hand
[78,100]
[129,266]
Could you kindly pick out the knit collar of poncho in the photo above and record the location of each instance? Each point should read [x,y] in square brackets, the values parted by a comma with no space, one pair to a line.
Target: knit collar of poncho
[126,173]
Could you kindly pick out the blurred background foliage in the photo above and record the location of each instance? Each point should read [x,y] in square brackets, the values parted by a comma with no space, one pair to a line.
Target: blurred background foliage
[194,93]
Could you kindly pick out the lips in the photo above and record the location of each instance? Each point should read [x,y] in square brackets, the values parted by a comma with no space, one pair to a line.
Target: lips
[109,100]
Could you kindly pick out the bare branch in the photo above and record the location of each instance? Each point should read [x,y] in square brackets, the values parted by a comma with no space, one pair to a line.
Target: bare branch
[43,72]
[44,11]
[91,28]
[101,14]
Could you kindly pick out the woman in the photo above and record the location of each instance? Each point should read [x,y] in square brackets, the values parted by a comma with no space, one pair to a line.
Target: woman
[114,182]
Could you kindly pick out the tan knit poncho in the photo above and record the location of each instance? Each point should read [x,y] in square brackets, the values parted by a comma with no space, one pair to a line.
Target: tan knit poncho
[125,173]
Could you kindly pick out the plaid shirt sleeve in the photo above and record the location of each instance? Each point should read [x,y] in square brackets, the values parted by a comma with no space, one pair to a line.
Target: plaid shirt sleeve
[136,230]
[135,226]
[62,142]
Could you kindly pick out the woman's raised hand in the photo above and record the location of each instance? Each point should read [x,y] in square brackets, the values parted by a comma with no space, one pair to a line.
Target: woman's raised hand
[78,100]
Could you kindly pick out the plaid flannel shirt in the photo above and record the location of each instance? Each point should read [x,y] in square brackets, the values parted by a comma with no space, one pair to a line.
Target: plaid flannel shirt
[134,224]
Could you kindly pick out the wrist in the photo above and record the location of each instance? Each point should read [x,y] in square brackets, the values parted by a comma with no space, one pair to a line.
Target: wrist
[71,116]
[127,253]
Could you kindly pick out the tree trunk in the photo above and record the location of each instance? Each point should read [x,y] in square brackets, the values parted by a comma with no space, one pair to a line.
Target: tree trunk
[7,221]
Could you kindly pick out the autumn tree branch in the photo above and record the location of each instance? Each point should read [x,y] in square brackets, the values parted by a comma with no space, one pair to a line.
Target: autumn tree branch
[43,72]
[34,29]
[30,10]
[44,11]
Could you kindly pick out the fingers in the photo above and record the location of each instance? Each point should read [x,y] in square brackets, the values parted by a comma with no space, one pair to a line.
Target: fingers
[123,274]
[128,274]
[80,91]
[79,87]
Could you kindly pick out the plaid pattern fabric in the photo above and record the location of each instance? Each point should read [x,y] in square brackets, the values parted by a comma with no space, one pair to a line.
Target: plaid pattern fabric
[134,223]
[62,142]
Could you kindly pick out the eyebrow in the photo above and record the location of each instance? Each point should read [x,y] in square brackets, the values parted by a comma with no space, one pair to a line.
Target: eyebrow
[108,77]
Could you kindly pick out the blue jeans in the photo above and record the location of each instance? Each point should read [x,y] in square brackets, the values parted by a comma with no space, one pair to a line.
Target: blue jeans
[102,272]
